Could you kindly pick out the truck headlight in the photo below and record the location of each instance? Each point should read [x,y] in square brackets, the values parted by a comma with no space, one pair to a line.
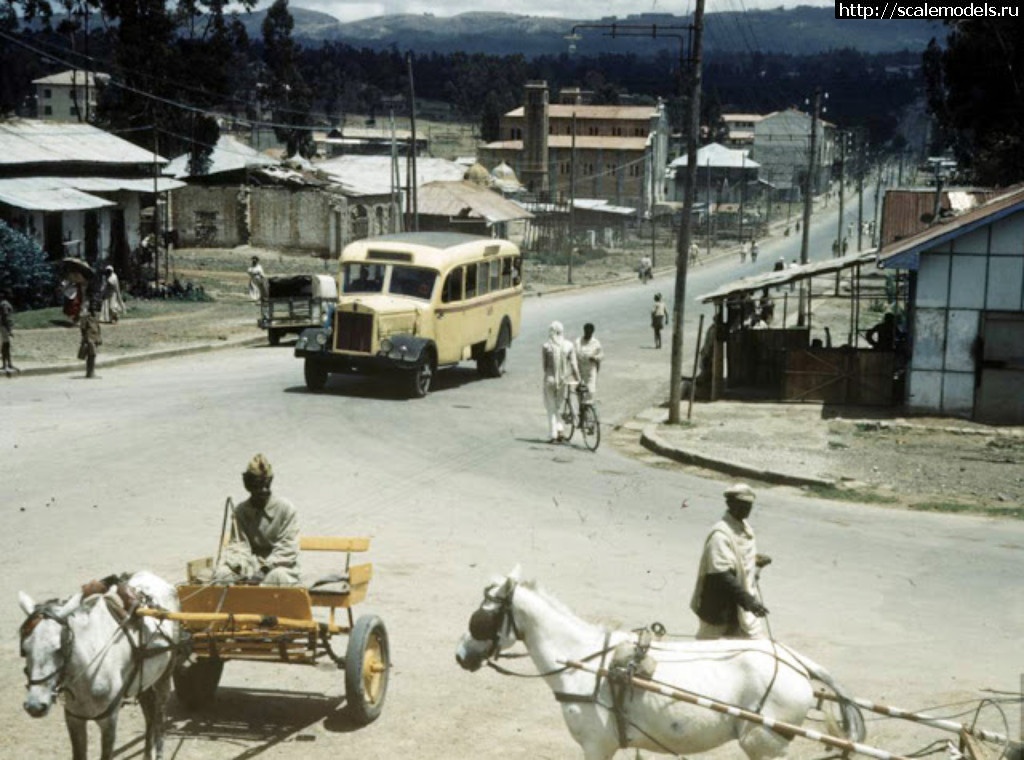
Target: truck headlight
[386,346]
[321,339]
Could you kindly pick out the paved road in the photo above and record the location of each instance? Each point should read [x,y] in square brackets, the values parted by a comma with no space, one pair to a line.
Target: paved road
[132,470]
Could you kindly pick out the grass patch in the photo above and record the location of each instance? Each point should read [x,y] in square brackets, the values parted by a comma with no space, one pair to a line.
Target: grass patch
[848,494]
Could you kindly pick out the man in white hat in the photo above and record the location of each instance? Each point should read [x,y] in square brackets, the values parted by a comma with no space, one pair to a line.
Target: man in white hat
[725,598]
[267,550]
[561,370]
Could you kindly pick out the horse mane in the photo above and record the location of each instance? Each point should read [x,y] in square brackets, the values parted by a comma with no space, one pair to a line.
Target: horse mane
[555,602]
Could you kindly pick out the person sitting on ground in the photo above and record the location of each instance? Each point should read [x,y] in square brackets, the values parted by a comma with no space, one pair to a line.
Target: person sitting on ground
[267,549]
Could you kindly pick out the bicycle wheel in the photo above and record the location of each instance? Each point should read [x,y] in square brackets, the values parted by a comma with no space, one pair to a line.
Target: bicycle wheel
[568,418]
[590,427]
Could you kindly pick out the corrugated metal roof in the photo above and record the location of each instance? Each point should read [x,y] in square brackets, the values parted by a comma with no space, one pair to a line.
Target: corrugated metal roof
[625,113]
[908,211]
[371,175]
[789,274]
[72,77]
[904,254]
[720,157]
[32,141]
[753,118]
[583,142]
[229,155]
[115,184]
[468,200]
[30,194]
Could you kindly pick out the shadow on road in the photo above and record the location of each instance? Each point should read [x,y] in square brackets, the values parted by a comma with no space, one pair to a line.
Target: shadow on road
[254,721]
[389,387]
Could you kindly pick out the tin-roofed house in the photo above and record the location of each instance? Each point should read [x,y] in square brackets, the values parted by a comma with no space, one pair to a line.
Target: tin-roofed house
[79,191]
[966,312]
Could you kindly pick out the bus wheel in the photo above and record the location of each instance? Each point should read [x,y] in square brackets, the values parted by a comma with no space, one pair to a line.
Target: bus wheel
[316,374]
[492,363]
[421,377]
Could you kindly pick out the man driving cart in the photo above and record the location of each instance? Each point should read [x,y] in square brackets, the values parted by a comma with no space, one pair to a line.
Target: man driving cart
[266,546]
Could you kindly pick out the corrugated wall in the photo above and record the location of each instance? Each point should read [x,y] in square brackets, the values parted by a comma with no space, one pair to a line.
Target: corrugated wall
[981,271]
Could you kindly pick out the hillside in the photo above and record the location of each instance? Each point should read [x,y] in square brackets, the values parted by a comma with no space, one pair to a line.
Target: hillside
[803,30]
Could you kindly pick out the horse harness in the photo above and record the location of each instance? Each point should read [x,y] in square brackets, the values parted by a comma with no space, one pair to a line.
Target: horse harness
[123,611]
[625,664]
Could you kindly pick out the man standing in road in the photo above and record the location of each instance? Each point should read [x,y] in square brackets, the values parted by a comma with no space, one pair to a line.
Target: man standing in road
[589,355]
[92,338]
[725,598]
[267,549]
[560,369]
[659,317]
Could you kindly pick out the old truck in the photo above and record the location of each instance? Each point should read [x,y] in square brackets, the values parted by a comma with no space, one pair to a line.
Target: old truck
[290,304]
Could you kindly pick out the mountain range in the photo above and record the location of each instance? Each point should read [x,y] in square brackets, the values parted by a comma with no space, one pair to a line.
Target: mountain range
[801,31]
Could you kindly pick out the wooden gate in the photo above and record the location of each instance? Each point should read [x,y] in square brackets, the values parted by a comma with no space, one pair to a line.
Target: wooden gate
[839,376]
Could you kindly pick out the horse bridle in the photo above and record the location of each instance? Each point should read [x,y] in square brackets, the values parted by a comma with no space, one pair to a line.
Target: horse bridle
[42,612]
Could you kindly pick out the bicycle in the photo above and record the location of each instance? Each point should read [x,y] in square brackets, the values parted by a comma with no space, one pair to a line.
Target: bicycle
[586,419]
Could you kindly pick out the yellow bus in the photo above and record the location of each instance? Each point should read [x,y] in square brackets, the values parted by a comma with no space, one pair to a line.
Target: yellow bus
[416,302]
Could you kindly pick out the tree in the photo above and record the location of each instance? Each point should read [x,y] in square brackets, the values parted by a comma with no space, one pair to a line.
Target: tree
[286,91]
[976,95]
[24,269]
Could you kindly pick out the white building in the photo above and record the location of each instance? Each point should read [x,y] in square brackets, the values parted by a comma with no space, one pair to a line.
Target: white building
[68,96]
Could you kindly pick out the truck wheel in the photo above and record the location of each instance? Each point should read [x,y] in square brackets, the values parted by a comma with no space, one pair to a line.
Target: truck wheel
[367,667]
[316,374]
[421,377]
[492,364]
[274,336]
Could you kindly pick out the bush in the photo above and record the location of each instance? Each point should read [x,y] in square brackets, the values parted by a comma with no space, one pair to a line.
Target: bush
[24,270]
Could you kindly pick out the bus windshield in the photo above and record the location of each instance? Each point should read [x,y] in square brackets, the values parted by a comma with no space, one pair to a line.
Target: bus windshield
[412,282]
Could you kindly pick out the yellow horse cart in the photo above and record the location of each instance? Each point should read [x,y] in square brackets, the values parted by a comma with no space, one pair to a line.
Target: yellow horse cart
[277,624]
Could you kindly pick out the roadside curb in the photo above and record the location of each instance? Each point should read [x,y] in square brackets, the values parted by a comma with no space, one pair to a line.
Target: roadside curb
[115,361]
[651,441]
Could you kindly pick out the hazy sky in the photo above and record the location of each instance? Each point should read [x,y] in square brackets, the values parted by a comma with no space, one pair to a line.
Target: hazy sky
[351,10]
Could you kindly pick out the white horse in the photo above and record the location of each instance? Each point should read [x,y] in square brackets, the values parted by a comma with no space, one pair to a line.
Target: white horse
[759,676]
[96,654]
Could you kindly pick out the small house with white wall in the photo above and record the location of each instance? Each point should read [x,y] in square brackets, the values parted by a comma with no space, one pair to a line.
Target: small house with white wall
[966,312]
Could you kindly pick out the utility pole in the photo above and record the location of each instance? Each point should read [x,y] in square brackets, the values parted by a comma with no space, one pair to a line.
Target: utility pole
[686,226]
[812,161]
[860,195]
[413,190]
[572,195]
[838,250]
[654,247]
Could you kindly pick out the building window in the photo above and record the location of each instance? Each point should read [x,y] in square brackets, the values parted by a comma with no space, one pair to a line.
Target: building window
[47,111]
[617,131]
[634,170]
[588,169]
[47,93]
[639,132]
[73,110]
[592,131]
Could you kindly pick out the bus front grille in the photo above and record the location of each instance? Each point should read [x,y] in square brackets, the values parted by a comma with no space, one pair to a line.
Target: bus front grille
[353,331]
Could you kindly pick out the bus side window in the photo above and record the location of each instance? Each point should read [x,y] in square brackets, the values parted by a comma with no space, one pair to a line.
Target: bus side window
[506,272]
[453,286]
[495,275]
[483,268]
[471,281]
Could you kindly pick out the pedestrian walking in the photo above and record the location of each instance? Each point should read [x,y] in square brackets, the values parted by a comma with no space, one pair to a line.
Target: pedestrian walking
[694,253]
[753,251]
[645,269]
[92,339]
[589,354]
[659,318]
[766,308]
[7,331]
[725,598]
[743,253]
[257,279]
[558,358]
[113,304]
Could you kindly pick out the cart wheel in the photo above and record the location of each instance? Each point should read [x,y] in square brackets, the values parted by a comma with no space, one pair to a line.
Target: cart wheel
[367,665]
[195,682]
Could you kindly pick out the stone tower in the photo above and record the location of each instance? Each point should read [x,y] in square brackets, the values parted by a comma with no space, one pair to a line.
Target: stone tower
[535,138]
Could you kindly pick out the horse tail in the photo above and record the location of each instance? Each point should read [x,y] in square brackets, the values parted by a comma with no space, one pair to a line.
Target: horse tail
[852,718]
